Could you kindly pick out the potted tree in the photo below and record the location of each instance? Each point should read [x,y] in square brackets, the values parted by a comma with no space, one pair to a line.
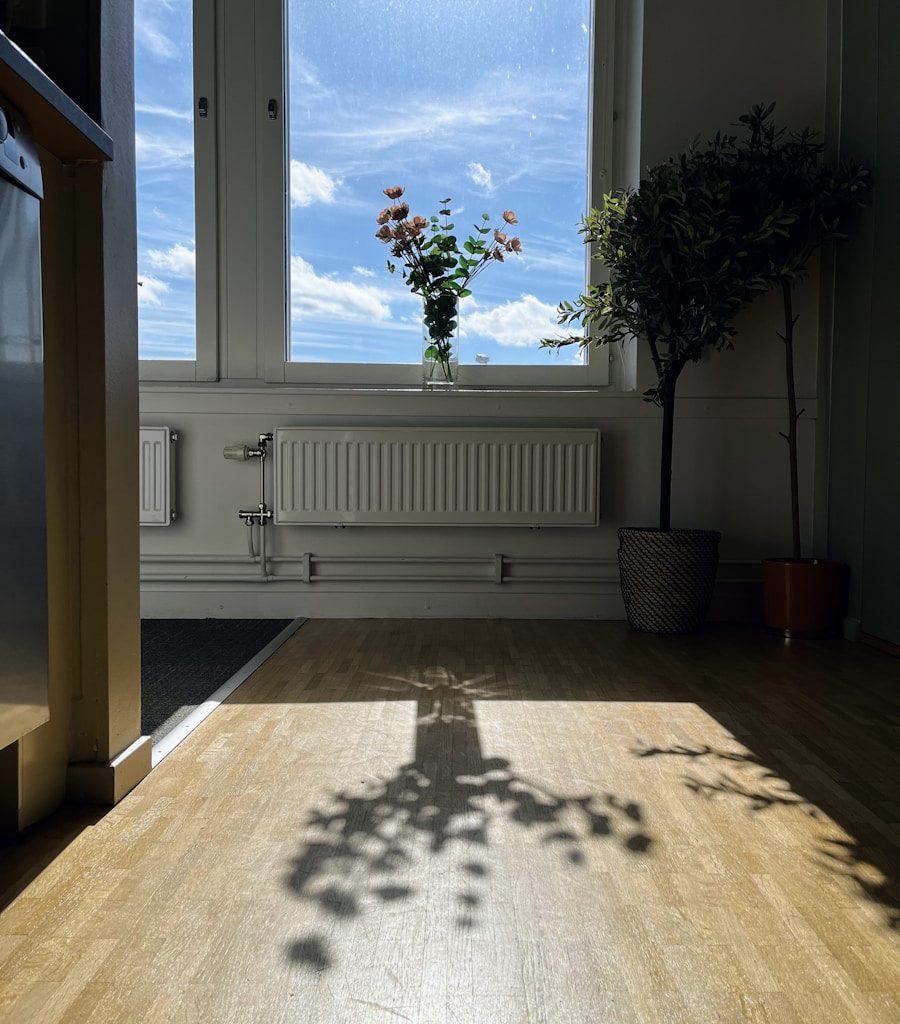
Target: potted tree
[811,202]
[682,257]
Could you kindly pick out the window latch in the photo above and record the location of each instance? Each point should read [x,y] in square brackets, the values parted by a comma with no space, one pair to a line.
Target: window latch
[203,107]
[273,110]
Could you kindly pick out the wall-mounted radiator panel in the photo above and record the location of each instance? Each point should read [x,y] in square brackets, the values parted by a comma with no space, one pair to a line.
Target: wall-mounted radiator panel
[436,477]
[157,479]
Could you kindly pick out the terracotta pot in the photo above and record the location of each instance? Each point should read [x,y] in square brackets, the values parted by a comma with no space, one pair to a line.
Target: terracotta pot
[802,596]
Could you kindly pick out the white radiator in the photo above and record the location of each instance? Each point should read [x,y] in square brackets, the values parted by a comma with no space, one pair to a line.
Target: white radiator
[436,476]
[157,476]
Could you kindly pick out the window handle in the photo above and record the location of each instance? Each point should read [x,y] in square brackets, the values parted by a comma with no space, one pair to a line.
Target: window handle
[272,108]
[203,107]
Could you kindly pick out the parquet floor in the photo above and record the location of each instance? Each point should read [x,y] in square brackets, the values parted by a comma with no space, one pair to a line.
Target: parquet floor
[489,823]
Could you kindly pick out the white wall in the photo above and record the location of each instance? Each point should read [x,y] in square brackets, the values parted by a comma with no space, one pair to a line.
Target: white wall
[705,62]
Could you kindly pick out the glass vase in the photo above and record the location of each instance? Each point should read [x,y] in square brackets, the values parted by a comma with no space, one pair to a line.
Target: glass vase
[440,343]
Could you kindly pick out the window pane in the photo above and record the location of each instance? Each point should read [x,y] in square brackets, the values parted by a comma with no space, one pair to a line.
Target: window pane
[485,101]
[165,178]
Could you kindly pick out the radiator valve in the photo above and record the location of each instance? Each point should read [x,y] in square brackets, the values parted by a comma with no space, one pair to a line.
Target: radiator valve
[243,452]
[256,517]
[262,514]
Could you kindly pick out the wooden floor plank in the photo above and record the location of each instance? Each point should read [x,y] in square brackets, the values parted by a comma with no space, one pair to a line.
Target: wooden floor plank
[489,822]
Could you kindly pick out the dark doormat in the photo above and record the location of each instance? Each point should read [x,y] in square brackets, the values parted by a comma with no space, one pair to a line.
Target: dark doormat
[184,661]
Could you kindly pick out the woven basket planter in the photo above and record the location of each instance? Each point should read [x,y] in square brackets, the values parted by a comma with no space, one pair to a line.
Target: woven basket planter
[667,578]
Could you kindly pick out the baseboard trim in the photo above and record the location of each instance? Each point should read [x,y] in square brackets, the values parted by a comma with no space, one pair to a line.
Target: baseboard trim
[735,601]
[852,629]
[166,744]
[96,782]
[885,646]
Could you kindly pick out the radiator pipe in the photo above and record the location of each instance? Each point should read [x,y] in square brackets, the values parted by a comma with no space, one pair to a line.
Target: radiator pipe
[200,559]
[263,564]
[413,559]
[248,578]
[221,578]
[161,577]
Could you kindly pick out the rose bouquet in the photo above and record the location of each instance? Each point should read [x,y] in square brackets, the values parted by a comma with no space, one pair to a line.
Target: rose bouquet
[436,267]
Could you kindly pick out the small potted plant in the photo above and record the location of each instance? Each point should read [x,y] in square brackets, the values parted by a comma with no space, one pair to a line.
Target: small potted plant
[811,201]
[436,267]
[680,255]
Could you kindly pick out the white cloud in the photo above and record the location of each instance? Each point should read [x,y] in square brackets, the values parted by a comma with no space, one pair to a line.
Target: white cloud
[151,37]
[151,290]
[480,176]
[567,262]
[320,295]
[364,271]
[507,117]
[158,111]
[178,260]
[311,185]
[306,82]
[162,150]
[426,119]
[520,323]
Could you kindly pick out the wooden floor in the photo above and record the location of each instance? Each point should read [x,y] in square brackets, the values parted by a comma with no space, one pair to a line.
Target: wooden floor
[490,823]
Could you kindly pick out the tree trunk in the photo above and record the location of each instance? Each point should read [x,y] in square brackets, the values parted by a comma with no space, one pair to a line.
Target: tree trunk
[665,461]
[793,416]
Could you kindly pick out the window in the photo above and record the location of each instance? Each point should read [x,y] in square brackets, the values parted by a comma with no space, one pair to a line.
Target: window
[487,102]
[164,152]
[176,163]
[320,105]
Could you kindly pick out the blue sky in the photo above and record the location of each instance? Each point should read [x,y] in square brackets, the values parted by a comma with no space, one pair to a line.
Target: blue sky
[484,101]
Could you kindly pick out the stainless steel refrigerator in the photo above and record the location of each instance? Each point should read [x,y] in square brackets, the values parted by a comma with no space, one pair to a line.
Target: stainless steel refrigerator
[23,533]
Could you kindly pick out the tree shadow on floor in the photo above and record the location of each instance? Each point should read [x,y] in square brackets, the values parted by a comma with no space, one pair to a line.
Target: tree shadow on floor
[451,795]
[871,865]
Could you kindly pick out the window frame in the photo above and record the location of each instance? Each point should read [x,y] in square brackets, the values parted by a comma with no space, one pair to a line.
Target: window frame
[592,373]
[205,364]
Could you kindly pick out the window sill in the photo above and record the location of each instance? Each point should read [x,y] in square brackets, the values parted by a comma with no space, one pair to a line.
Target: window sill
[288,387]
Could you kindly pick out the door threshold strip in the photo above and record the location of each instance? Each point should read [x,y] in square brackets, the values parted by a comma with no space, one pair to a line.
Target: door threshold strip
[166,744]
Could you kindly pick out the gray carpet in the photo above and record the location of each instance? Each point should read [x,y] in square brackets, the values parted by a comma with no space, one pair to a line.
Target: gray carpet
[184,661]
